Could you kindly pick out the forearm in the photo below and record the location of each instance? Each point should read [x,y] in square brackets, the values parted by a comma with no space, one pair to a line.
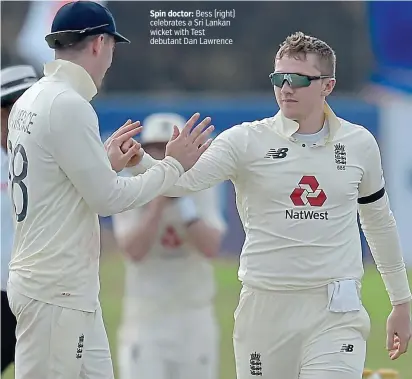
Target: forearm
[108,194]
[220,162]
[147,163]
[380,230]
[133,192]
[200,177]
[138,241]
[204,238]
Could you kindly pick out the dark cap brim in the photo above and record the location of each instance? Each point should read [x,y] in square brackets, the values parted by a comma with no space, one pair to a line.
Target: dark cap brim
[70,37]
[119,38]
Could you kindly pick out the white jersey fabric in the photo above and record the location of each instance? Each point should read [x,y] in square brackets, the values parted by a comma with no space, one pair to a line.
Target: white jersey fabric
[62,179]
[299,201]
[174,275]
[7,227]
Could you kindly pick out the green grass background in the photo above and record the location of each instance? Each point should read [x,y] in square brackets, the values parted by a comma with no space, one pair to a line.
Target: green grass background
[374,298]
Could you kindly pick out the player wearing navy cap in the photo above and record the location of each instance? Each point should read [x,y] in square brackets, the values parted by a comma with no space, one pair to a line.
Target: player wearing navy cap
[81,19]
[62,177]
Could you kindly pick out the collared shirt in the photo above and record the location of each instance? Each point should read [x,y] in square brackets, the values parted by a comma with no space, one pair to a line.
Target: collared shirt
[62,180]
[7,227]
[298,203]
[313,137]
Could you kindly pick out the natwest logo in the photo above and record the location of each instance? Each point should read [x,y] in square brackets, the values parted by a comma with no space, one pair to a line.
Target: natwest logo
[308,192]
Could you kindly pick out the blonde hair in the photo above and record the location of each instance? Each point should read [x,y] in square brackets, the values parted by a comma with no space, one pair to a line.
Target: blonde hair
[298,45]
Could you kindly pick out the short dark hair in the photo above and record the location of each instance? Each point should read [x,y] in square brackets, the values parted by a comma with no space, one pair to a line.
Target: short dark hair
[81,45]
[298,45]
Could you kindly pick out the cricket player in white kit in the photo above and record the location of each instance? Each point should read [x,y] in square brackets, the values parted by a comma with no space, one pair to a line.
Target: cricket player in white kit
[14,81]
[61,178]
[301,177]
[168,328]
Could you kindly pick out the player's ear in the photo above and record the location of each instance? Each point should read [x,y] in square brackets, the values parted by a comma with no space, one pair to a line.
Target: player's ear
[328,86]
[97,44]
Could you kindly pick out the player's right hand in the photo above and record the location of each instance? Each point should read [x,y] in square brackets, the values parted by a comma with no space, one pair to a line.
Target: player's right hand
[188,145]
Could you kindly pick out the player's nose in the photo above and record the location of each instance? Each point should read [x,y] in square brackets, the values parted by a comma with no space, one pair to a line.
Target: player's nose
[286,88]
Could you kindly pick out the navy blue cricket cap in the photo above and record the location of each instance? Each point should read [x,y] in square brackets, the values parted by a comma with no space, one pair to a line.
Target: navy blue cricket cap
[79,19]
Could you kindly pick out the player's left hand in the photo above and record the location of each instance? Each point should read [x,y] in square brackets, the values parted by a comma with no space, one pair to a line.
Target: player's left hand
[398,329]
[125,133]
[135,159]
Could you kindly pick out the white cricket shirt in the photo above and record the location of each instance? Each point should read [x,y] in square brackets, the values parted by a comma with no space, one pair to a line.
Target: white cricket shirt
[298,203]
[7,227]
[62,179]
[173,275]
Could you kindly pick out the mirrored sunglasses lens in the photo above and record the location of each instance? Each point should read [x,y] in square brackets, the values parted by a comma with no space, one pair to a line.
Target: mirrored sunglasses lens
[299,81]
[294,80]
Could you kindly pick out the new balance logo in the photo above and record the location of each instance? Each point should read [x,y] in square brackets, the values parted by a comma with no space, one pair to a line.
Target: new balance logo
[255,364]
[277,154]
[346,348]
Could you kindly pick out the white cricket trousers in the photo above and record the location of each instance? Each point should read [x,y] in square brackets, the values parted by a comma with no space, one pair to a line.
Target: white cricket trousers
[293,335]
[174,345]
[58,343]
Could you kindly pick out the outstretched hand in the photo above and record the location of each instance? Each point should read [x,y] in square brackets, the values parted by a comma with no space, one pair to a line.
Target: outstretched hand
[188,145]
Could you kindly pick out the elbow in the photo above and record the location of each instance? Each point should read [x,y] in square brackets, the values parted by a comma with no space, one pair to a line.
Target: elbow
[104,207]
[377,216]
[100,206]
[131,252]
[210,252]
[105,211]
[212,247]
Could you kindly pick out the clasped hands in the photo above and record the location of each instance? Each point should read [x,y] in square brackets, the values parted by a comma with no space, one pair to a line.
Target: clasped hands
[186,146]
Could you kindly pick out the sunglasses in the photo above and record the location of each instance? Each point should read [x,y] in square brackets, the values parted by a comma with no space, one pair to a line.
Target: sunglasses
[294,80]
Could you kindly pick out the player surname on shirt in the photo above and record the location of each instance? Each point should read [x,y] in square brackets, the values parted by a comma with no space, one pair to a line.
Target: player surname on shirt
[21,120]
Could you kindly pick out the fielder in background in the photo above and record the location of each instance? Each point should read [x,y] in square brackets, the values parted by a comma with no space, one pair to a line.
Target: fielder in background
[169,328]
[14,81]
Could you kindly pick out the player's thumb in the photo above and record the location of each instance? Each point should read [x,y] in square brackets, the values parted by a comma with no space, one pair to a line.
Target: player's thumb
[175,134]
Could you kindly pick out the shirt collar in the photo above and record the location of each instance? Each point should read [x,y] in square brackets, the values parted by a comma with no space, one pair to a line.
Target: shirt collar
[77,77]
[288,127]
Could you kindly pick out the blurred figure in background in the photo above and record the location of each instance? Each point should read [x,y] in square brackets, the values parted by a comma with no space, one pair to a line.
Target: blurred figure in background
[169,328]
[14,81]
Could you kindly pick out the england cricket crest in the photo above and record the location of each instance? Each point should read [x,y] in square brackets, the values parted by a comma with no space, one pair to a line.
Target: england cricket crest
[80,346]
[340,157]
[255,364]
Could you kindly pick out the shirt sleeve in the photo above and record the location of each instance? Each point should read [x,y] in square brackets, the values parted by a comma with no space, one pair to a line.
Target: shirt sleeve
[75,143]
[372,184]
[222,161]
[379,227]
[147,162]
[209,208]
